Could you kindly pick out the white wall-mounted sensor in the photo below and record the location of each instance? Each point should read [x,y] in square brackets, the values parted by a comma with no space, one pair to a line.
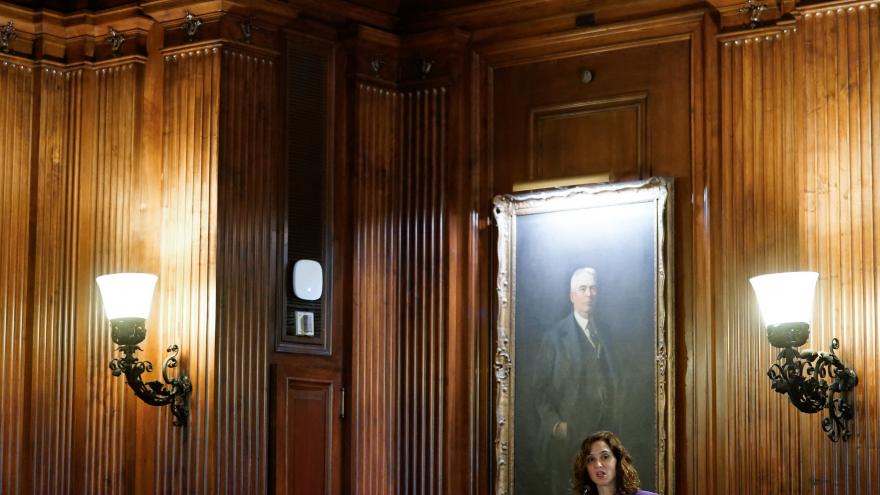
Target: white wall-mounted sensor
[308,280]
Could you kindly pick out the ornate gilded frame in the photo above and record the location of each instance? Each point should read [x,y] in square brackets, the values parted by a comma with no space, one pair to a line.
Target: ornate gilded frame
[506,210]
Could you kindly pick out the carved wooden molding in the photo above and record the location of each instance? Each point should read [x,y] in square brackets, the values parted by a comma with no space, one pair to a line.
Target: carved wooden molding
[75,38]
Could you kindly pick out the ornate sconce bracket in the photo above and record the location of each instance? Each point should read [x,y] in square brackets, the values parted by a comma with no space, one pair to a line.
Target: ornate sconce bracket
[376,64]
[7,34]
[128,333]
[115,40]
[247,30]
[754,9]
[191,25]
[815,381]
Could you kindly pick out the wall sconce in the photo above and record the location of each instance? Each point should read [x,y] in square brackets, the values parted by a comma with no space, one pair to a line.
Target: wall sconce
[127,298]
[813,380]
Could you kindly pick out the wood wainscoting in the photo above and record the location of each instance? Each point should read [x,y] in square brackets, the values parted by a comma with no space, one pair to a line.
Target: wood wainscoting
[169,156]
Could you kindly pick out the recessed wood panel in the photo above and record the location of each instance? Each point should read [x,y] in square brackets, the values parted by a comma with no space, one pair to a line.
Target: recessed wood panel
[308,432]
[641,82]
[600,135]
[310,206]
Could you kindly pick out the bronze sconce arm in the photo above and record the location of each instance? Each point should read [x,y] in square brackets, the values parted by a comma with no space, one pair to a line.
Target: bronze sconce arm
[128,332]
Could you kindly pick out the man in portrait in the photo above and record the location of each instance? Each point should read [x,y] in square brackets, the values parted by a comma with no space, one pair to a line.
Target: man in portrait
[575,388]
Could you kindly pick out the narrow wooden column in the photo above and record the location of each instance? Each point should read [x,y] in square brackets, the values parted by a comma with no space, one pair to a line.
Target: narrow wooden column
[17,96]
[220,250]
[758,234]
[402,326]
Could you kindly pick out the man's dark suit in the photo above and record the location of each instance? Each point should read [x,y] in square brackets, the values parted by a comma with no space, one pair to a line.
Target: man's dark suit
[574,383]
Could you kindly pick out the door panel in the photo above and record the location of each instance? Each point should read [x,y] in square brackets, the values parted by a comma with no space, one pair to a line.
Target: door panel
[633,116]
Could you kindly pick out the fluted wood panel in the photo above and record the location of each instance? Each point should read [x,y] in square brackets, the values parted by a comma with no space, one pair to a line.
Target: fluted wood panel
[800,150]
[400,323]
[249,254]
[16,97]
[107,226]
[219,286]
[377,326]
[839,80]
[422,285]
[80,154]
[185,457]
[55,287]
[759,229]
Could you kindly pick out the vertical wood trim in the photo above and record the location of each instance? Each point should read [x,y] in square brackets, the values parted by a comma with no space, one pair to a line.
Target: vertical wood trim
[185,457]
[839,238]
[55,290]
[400,307]
[17,96]
[106,230]
[759,206]
[247,257]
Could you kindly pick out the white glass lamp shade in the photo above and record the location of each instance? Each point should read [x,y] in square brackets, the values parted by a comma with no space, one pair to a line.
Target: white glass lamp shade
[785,297]
[127,295]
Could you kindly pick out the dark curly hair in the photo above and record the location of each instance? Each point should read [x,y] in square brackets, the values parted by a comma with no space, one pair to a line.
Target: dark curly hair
[625,475]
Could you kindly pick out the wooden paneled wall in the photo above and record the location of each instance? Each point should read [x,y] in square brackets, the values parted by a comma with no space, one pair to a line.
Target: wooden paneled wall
[92,183]
[187,292]
[838,74]
[799,147]
[399,341]
[250,285]
[166,162]
[17,97]
[758,231]
[70,140]
[220,252]
[54,284]
[109,168]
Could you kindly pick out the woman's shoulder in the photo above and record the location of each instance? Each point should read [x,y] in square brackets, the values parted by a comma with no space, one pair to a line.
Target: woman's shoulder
[643,492]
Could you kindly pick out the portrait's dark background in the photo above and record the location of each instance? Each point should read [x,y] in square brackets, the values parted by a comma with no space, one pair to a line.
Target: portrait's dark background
[619,242]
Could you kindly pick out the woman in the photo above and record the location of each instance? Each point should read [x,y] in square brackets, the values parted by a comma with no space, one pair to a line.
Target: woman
[604,467]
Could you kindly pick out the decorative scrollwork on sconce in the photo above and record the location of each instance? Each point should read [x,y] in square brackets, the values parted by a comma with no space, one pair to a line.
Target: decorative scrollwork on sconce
[128,333]
[7,34]
[191,25]
[754,9]
[115,40]
[815,381]
[812,380]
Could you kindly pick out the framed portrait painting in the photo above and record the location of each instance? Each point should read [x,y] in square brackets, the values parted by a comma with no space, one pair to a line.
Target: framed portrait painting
[584,331]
